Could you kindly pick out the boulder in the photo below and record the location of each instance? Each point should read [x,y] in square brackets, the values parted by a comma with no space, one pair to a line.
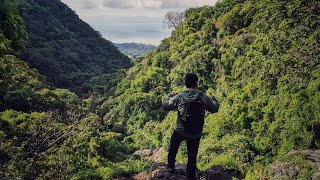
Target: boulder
[297,164]
[152,154]
[159,171]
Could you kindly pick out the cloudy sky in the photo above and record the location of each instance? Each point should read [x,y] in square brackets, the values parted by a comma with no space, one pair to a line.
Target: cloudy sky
[131,20]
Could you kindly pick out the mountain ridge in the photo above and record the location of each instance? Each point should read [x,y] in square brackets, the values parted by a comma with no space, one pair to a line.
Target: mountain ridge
[259,58]
[67,50]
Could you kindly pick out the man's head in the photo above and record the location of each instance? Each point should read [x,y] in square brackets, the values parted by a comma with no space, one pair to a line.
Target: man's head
[191,80]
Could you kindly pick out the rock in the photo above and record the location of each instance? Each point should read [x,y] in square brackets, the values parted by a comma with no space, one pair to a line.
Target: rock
[296,164]
[158,154]
[143,153]
[218,172]
[152,154]
[133,177]
[155,155]
[159,171]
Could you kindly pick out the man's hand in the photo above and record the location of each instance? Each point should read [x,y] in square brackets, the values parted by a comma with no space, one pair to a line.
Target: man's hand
[172,94]
[213,99]
[170,101]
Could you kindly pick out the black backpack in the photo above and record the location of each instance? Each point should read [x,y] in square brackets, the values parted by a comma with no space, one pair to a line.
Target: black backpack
[191,115]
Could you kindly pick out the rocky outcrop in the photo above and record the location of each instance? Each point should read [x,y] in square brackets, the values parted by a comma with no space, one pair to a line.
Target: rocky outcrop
[152,154]
[159,171]
[297,164]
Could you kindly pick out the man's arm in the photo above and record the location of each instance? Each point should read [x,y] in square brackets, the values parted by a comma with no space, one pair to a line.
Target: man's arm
[211,104]
[170,101]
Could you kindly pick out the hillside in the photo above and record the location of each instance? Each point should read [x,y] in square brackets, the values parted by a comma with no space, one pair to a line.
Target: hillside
[48,133]
[66,50]
[134,50]
[260,59]
[53,134]
[23,89]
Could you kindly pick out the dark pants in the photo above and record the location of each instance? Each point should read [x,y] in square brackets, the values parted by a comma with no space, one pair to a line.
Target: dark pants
[192,148]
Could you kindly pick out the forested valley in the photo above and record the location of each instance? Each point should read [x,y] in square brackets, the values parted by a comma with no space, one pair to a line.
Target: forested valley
[73,107]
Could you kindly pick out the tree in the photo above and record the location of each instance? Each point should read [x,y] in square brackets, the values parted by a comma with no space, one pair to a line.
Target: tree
[173,19]
[12,30]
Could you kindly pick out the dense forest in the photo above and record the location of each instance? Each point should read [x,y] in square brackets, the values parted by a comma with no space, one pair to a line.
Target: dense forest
[48,132]
[259,58]
[66,50]
[135,50]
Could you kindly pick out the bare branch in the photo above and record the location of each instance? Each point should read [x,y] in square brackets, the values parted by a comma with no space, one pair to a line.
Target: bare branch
[173,19]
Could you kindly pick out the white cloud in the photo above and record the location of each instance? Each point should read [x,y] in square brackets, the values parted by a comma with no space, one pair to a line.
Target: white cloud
[156,4]
[82,4]
[99,13]
[121,4]
[132,7]
[152,4]
[171,4]
[89,5]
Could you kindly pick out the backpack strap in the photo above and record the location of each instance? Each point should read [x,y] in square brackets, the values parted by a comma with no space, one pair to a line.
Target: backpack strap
[200,95]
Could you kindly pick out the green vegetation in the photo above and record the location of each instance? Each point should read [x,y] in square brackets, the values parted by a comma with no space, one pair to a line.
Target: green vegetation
[12,30]
[23,88]
[66,50]
[50,133]
[259,58]
[134,50]
[51,146]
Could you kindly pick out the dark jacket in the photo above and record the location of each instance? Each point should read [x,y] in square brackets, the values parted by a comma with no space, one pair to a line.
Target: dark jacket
[190,95]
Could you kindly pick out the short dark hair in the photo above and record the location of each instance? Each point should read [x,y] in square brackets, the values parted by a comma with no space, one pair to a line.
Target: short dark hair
[191,80]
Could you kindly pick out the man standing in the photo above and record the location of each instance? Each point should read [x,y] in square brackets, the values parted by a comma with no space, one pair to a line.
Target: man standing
[191,105]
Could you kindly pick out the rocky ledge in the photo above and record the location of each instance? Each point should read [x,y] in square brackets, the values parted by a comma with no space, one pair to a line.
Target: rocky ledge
[297,164]
[159,171]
